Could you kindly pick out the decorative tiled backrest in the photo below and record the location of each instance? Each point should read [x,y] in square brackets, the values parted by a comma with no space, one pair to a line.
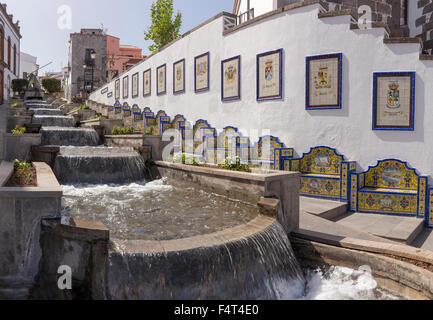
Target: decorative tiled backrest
[149,117]
[229,140]
[118,111]
[137,119]
[163,121]
[321,160]
[264,149]
[127,115]
[391,174]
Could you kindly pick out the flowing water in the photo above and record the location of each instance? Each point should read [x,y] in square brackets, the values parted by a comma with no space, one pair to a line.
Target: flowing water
[61,136]
[54,120]
[340,283]
[157,210]
[262,266]
[46,112]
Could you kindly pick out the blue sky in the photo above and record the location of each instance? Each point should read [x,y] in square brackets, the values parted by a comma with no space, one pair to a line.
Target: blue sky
[126,19]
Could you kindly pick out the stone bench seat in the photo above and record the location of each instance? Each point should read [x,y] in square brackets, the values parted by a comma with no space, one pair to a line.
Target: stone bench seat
[323,176]
[389,190]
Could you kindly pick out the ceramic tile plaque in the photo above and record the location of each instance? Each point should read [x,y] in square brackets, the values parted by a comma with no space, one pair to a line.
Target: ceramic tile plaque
[231,79]
[269,75]
[201,73]
[179,77]
[117,89]
[135,85]
[147,80]
[393,100]
[324,75]
[125,87]
[161,74]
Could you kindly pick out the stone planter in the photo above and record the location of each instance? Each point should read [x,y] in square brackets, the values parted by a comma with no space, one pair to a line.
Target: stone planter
[254,187]
[18,146]
[22,210]
[133,140]
[107,124]
[12,122]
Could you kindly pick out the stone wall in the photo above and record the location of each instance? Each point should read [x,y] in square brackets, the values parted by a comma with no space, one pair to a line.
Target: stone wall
[426,22]
[78,45]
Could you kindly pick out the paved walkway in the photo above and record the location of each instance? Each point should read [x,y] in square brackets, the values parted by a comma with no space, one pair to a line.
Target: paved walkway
[400,229]
[330,220]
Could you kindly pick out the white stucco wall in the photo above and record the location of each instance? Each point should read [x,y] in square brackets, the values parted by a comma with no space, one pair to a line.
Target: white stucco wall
[300,33]
[28,64]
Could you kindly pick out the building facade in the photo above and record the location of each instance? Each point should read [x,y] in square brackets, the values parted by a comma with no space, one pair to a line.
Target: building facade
[9,52]
[120,57]
[28,65]
[86,74]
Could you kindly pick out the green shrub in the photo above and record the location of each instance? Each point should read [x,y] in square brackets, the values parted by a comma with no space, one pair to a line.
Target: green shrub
[21,165]
[84,107]
[94,118]
[18,130]
[22,169]
[52,85]
[235,164]
[19,85]
[183,158]
[17,105]
[149,132]
[119,131]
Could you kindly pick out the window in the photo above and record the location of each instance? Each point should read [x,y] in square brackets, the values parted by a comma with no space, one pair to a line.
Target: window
[9,52]
[15,59]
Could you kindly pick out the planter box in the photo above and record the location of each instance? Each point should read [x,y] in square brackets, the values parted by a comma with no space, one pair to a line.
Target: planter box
[107,124]
[22,210]
[18,146]
[12,122]
[244,186]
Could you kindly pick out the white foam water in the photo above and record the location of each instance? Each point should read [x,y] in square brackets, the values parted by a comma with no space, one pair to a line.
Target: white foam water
[340,283]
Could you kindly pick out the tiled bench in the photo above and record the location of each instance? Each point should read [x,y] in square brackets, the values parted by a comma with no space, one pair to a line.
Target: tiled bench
[324,173]
[390,187]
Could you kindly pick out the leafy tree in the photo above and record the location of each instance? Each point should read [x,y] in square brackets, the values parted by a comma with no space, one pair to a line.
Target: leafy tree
[52,85]
[164,28]
[19,85]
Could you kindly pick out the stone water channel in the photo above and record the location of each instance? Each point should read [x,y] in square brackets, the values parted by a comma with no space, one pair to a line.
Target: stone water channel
[109,185]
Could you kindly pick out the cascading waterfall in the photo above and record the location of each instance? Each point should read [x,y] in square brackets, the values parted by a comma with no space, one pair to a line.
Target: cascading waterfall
[98,165]
[262,266]
[62,136]
[54,120]
[46,112]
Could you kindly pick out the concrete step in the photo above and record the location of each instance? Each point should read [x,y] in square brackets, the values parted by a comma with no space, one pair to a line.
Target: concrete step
[400,229]
[322,208]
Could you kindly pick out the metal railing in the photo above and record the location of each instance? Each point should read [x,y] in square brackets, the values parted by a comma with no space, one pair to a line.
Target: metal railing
[244,17]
